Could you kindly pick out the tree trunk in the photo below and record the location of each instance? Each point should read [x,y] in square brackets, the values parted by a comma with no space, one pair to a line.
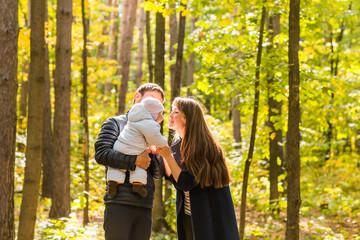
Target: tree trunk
[61,136]
[254,126]
[141,25]
[128,23]
[175,88]
[112,46]
[84,115]
[191,62]
[159,207]
[24,92]
[173,40]
[293,134]
[275,135]
[334,72]
[148,46]
[112,32]
[236,120]
[32,177]
[9,30]
[47,156]
[104,31]
[172,51]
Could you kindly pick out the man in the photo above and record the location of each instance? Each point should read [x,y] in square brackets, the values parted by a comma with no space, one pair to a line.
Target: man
[128,215]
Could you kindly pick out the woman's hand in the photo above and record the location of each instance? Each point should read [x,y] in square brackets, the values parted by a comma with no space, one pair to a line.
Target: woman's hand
[164,151]
[173,167]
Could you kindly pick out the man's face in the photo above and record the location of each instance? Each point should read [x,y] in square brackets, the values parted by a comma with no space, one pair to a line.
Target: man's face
[155,94]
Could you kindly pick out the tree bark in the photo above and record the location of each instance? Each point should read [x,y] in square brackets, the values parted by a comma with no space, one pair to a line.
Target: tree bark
[112,46]
[47,156]
[191,62]
[141,25]
[159,207]
[107,17]
[61,136]
[9,30]
[24,92]
[293,134]
[334,72]
[176,85]
[173,40]
[112,32]
[275,135]
[149,46]
[172,51]
[84,115]
[254,126]
[125,54]
[236,120]
[32,177]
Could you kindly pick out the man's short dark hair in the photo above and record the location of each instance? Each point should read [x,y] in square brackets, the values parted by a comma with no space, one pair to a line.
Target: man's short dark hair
[150,87]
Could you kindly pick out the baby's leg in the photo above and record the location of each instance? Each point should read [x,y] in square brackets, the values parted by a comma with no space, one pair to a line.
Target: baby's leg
[114,177]
[138,178]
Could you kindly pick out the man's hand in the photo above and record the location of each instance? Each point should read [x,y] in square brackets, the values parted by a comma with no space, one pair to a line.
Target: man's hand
[143,160]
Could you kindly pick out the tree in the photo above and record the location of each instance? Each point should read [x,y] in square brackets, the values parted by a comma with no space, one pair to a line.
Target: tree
[149,46]
[112,45]
[23,96]
[275,135]
[159,73]
[127,32]
[176,84]
[293,134]
[172,52]
[254,125]
[141,25]
[61,134]
[236,120]
[8,85]
[191,61]
[112,32]
[47,156]
[84,114]
[173,28]
[334,63]
[35,122]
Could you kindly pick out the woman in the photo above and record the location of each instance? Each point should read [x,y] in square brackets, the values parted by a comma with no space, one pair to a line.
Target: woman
[197,168]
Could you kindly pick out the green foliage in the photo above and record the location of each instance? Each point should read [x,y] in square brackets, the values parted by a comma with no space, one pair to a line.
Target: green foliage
[225,45]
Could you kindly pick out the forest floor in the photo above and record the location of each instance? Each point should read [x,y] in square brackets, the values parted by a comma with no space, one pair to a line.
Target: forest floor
[314,225]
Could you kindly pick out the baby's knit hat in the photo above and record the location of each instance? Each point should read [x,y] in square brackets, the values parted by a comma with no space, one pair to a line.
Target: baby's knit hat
[153,105]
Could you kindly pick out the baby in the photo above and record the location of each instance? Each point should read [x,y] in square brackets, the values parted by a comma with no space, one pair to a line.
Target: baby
[141,132]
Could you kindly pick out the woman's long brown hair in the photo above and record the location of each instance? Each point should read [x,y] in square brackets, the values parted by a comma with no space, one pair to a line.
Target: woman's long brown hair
[201,153]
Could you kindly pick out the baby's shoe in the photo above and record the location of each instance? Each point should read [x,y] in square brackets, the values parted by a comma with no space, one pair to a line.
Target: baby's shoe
[139,189]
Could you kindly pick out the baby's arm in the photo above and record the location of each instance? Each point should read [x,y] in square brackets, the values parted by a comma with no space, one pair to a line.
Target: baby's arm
[153,136]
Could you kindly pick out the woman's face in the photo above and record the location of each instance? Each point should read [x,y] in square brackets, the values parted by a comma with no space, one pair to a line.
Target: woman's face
[177,120]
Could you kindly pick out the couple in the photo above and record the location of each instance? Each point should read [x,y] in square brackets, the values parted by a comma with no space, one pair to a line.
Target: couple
[195,164]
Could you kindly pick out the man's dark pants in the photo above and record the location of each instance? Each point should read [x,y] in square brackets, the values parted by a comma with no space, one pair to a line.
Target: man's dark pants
[126,222]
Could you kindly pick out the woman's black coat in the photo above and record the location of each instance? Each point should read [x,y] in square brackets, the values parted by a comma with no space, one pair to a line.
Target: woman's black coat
[212,210]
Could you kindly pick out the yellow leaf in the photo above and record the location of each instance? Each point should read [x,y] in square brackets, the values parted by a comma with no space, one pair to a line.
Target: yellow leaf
[185,13]
[273,135]
[167,12]
[225,22]
[148,6]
